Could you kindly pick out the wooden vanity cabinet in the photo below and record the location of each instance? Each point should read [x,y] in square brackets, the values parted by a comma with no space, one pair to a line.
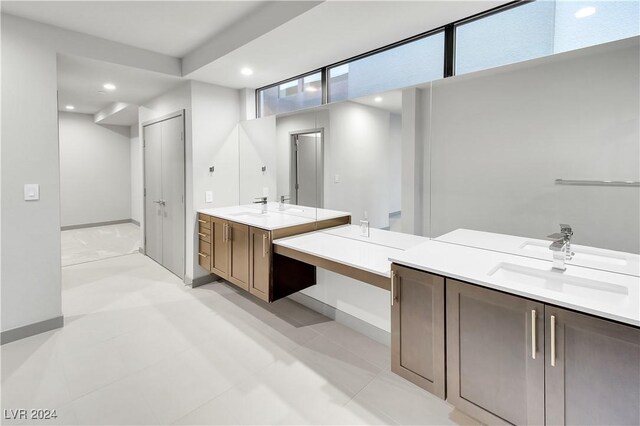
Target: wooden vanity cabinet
[260,263]
[220,249]
[495,371]
[242,255]
[417,328]
[511,360]
[592,370]
[238,254]
[204,241]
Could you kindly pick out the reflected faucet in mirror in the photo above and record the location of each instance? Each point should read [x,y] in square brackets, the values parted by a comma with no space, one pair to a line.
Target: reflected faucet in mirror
[263,201]
[283,198]
[561,247]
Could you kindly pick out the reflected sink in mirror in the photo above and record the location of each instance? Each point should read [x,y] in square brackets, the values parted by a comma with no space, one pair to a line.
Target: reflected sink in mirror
[553,280]
[582,255]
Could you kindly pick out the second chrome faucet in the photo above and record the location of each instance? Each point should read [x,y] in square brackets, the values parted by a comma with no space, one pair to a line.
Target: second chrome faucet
[561,247]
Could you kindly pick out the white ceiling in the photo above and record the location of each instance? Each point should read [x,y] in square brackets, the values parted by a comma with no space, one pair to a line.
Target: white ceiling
[172,28]
[331,32]
[80,80]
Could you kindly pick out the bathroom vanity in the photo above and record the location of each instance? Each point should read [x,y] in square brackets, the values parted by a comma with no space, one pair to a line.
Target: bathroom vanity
[524,344]
[235,244]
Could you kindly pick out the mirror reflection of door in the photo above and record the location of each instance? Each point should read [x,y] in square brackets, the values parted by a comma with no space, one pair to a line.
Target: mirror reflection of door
[306,168]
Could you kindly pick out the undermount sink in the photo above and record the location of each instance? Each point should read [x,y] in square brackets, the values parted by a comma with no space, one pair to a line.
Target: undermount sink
[582,255]
[552,279]
[249,214]
[293,209]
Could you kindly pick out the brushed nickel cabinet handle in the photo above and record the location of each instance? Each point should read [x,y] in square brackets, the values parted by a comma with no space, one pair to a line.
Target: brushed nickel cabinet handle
[202,254]
[533,334]
[264,245]
[553,340]
[393,281]
[201,234]
[202,221]
[229,233]
[225,234]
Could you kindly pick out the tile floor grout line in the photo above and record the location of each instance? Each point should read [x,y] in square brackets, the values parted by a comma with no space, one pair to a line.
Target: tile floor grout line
[99,260]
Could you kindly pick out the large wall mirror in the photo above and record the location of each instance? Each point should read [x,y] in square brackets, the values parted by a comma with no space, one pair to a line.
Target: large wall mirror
[518,150]
[512,151]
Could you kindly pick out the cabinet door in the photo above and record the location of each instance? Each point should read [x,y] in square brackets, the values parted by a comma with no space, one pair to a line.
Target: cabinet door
[417,328]
[238,237]
[495,358]
[260,263]
[592,370]
[220,254]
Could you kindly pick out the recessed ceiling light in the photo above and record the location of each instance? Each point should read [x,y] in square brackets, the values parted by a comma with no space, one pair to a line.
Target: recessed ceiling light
[109,86]
[70,107]
[585,11]
[377,99]
[246,71]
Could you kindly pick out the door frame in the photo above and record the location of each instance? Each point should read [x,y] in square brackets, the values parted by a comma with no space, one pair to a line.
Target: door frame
[179,113]
[293,162]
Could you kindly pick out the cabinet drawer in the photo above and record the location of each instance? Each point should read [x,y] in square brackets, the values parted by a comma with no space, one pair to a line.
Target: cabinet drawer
[204,235]
[204,221]
[204,247]
[204,260]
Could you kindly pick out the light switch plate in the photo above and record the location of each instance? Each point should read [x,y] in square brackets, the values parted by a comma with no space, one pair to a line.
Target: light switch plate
[208,196]
[31,192]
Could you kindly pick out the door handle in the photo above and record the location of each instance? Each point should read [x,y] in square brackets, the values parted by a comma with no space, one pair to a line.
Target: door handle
[224,233]
[202,254]
[553,340]
[264,245]
[202,221]
[201,234]
[533,334]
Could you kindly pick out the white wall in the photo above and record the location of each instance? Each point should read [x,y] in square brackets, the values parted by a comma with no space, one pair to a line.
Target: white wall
[500,139]
[358,150]
[395,163]
[137,177]
[30,269]
[95,171]
[216,113]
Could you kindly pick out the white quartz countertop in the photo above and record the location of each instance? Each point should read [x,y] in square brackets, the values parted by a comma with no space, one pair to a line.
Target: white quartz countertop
[591,257]
[343,244]
[605,294]
[274,218]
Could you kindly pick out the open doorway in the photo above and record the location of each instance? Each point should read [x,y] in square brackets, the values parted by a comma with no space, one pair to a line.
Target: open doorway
[101,156]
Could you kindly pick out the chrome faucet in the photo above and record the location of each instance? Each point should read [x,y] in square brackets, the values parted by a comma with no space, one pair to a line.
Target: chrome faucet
[561,247]
[263,201]
[283,198]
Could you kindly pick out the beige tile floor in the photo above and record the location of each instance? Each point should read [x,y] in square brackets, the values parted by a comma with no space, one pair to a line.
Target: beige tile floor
[138,347]
[99,242]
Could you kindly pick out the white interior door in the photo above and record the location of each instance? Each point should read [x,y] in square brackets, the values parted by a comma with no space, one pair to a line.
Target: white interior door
[153,191]
[164,193]
[173,195]
[307,169]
